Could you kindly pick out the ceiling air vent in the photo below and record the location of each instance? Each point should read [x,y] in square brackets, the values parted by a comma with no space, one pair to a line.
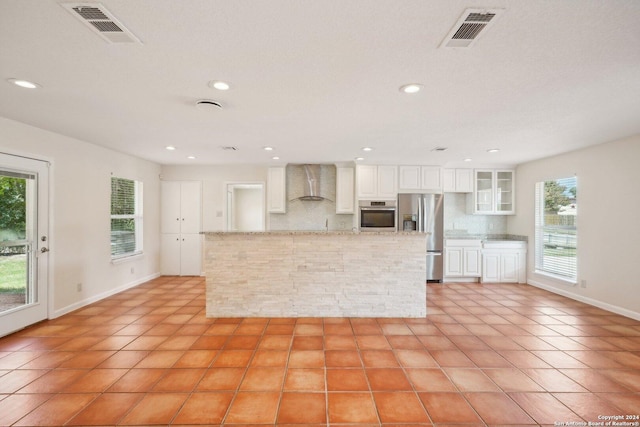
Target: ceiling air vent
[471,25]
[439,149]
[229,148]
[97,18]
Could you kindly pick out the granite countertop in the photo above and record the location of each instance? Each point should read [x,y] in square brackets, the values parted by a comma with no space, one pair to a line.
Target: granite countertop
[484,237]
[309,232]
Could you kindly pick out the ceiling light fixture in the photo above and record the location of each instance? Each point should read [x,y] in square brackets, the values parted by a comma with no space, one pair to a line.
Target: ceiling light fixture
[276,158]
[467,159]
[24,83]
[218,84]
[411,88]
[358,159]
[367,149]
[267,148]
[191,157]
[170,147]
[493,150]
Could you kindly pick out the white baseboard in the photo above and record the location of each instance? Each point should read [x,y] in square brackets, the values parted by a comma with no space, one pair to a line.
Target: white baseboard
[461,280]
[603,305]
[103,295]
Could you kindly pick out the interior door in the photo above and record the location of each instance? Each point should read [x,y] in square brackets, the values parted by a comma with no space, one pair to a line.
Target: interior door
[24,242]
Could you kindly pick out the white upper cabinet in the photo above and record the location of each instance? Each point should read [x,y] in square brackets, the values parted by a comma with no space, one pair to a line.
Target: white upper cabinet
[377,182]
[494,192]
[410,178]
[457,180]
[431,178]
[345,198]
[420,178]
[387,182]
[277,189]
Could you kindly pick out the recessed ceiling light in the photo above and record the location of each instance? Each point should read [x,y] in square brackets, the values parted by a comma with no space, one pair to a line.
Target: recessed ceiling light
[218,84]
[170,147]
[24,83]
[276,158]
[267,148]
[367,149]
[191,157]
[493,150]
[411,88]
[467,159]
[358,159]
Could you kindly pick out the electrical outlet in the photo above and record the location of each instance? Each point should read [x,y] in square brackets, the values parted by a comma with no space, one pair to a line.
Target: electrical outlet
[79,287]
[583,283]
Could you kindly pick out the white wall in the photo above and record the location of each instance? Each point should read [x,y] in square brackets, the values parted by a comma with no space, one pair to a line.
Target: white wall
[214,187]
[248,209]
[608,221]
[80,208]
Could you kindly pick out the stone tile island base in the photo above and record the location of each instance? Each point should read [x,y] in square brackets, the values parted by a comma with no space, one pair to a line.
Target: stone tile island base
[315,274]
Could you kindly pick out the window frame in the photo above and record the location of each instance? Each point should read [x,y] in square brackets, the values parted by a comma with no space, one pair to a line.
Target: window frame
[137,217]
[555,271]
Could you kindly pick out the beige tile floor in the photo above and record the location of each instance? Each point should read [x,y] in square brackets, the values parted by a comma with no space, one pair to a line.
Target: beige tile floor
[491,354]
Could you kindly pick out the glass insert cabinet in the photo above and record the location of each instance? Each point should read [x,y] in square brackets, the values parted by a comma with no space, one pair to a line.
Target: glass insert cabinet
[494,192]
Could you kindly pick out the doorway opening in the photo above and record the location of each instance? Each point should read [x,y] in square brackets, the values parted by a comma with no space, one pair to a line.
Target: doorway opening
[245,207]
[24,244]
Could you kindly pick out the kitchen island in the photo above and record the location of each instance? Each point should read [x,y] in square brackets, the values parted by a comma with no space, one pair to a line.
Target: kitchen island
[315,274]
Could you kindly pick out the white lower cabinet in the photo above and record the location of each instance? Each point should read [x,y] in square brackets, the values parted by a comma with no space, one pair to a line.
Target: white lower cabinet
[462,258]
[504,262]
[180,255]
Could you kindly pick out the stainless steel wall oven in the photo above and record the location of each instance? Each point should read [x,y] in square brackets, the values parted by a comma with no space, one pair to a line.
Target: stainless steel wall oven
[377,215]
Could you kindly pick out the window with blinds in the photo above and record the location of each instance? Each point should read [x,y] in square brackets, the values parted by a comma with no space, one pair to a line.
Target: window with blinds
[555,228]
[126,217]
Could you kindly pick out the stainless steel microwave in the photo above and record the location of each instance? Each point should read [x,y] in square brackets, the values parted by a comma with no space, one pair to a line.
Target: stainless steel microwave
[377,215]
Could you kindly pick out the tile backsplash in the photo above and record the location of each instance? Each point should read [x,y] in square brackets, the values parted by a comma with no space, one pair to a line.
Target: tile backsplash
[458,220]
[310,215]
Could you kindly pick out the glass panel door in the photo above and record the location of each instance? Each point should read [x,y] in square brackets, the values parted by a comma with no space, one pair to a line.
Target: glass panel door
[23,242]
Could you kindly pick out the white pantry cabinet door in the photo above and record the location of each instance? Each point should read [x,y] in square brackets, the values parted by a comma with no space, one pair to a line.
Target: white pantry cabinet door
[170,254]
[190,196]
[190,258]
[170,207]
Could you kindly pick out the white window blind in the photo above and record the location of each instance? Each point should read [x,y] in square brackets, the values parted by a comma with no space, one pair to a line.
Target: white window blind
[126,217]
[556,233]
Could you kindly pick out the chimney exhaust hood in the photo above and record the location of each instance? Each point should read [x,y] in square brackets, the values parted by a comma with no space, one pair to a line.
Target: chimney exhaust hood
[311,177]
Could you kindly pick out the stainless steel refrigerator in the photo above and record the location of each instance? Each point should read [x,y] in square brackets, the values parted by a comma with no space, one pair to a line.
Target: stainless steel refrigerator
[422,213]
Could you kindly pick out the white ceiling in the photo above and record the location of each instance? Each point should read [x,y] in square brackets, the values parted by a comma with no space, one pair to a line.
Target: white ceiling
[319,80]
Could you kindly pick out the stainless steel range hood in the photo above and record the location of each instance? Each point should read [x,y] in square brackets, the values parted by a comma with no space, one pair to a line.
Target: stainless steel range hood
[311,185]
